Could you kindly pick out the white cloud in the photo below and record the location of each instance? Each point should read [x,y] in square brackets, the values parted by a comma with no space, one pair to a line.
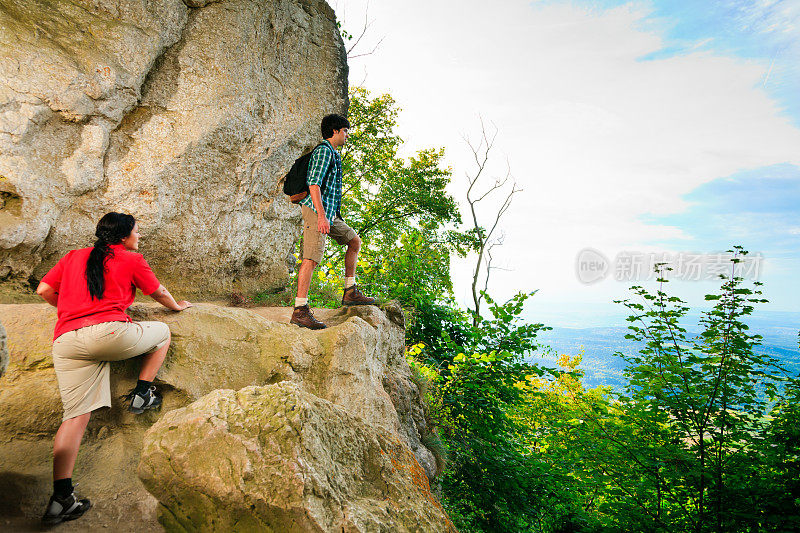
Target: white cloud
[596,136]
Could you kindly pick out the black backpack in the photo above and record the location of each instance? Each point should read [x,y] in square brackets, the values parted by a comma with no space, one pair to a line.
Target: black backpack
[295,184]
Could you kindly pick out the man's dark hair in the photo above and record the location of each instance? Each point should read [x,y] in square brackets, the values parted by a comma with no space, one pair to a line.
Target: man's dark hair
[332,123]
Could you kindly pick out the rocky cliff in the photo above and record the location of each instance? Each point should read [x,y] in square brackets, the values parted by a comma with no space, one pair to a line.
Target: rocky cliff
[264,427]
[3,350]
[184,114]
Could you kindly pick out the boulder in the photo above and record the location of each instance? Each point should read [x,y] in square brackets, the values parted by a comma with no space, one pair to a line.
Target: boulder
[359,364]
[185,117]
[277,458]
[356,367]
[3,350]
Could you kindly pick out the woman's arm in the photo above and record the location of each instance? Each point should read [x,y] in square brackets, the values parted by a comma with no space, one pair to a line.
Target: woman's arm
[48,293]
[162,296]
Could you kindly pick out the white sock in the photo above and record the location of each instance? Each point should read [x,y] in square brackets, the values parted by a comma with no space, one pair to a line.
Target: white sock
[349,282]
[298,302]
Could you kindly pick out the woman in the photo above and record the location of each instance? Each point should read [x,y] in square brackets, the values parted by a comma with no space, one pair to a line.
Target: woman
[92,288]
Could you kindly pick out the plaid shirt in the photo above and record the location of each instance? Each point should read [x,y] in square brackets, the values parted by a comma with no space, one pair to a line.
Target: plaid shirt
[319,169]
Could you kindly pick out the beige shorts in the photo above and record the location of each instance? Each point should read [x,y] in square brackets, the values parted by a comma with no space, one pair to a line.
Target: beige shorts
[81,359]
[314,241]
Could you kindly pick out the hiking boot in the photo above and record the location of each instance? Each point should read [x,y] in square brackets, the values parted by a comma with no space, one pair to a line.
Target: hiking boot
[353,296]
[63,509]
[303,317]
[140,402]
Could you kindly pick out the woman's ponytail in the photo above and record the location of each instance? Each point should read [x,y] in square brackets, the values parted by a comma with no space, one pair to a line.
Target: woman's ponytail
[111,229]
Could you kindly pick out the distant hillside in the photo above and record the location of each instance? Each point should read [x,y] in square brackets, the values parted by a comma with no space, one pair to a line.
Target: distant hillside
[602,367]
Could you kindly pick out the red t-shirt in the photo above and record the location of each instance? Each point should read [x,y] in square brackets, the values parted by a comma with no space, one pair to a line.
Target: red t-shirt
[125,271]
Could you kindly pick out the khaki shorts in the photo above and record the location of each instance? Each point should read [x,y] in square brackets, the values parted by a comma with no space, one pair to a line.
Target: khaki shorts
[81,359]
[314,241]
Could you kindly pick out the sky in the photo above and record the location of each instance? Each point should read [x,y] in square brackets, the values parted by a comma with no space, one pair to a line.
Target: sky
[636,130]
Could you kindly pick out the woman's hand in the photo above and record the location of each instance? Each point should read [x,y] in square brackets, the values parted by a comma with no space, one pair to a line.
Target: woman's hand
[162,296]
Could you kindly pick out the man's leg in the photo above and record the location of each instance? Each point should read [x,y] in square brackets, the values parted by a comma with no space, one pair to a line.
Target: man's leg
[351,258]
[352,295]
[66,444]
[302,315]
[304,277]
[344,234]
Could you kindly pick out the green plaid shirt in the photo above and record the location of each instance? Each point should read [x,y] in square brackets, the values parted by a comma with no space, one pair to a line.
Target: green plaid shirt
[319,169]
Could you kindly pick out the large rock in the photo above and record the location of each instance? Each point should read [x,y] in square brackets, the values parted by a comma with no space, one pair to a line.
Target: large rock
[186,118]
[3,350]
[276,458]
[357,365]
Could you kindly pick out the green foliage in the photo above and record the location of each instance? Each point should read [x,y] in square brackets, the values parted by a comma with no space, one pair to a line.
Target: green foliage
[505,331]
[345,35]
[491,475]
[777,484]
[494,481]
[561,421]
[446,330]
[704,438]
[415,271]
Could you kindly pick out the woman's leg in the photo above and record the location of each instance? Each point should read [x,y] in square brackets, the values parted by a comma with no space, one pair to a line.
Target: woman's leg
[147,339]
[152,362]
[66,444]
[63,504]
[134,339]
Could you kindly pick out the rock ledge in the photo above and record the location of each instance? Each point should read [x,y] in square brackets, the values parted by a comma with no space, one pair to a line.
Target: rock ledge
[317,429]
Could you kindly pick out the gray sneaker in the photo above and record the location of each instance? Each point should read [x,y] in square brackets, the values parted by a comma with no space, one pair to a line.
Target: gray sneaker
[60,510]
[140,402]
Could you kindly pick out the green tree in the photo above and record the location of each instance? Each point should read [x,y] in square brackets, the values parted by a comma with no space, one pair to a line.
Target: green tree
[495,480]
[683,449]
[777,486]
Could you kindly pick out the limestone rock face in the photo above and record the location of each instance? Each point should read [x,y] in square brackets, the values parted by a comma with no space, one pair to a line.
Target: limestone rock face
[185,117]
[359,364]
[353,371]
[3,350]
[276,458]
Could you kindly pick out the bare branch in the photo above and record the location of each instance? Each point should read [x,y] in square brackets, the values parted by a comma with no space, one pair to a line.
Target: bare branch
[364,28]
[489,267]
[374,49]
[367,24]
[481,153]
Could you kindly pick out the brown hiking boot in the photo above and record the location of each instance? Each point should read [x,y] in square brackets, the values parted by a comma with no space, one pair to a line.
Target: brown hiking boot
[303,317]
[353,296]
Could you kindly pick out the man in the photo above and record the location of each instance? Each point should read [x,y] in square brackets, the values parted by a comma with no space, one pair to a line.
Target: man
[321,217]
